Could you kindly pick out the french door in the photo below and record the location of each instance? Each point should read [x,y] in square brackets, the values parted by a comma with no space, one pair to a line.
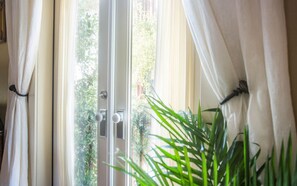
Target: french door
[114,67]
[115,57]
[113,88]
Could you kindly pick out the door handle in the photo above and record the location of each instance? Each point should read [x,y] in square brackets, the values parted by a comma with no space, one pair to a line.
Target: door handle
[102,120]
[118,118]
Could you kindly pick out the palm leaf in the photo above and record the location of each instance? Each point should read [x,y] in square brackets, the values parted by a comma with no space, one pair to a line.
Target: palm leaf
[200,155]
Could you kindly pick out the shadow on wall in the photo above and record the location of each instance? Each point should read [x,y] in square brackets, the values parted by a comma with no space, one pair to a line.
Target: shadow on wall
[3,78]
[291,13]
[3,90]
[2,115]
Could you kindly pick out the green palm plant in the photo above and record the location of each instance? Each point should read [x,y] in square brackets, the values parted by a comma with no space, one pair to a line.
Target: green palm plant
[286,174]
[199,154]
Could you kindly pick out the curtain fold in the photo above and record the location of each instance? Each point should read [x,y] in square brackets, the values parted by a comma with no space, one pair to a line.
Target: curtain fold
[63,160]
[216,58]
[176,71]
[239,39]
[276,62]
[23,30]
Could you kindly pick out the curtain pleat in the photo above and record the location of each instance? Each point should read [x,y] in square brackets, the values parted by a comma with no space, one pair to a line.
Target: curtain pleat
[246,40]
[177,76]
[63,159]
[23,30]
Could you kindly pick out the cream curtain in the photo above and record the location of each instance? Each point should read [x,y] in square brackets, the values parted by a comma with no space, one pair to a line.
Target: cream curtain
[177,69]
[23,30]
[240,39]
[177,77]
[63,121]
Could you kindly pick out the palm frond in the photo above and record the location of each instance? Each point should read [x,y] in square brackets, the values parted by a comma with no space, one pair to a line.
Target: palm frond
[199,154]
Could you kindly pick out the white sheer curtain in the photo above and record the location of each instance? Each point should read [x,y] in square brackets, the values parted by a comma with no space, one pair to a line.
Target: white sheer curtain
[63,121]
[177,76]
[23,30]
[177,71]
[246,40]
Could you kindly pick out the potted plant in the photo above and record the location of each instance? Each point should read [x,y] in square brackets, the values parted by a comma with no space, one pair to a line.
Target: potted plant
[200,155]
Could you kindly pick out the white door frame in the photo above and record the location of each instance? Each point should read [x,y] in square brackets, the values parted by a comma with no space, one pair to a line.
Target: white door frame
[114,70]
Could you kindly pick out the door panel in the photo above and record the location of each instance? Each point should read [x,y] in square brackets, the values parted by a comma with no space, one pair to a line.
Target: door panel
[122,80]
[114,56]
[104,47]
[104,56]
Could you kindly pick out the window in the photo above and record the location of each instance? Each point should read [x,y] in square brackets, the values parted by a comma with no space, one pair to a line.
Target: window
[85,92]
[123,50]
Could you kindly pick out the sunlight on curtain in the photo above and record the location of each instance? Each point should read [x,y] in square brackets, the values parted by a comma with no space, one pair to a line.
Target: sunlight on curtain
[23,31]
[177,70]
[246,40]
[177,73]
[63,121]
[166,61]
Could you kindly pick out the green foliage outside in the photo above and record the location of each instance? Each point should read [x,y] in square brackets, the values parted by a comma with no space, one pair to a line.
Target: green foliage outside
[141,123]
[143,51]
[85,133]
[143,63]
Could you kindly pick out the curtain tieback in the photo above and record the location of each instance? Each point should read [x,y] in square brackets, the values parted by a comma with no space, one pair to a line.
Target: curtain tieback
[13,89]
[242,88]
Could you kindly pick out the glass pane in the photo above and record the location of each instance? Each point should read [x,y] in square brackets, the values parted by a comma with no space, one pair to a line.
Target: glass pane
[144,31]
[85,87]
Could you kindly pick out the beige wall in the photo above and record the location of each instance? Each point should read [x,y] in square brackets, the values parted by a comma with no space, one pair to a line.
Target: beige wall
[291,18]
[3,78]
